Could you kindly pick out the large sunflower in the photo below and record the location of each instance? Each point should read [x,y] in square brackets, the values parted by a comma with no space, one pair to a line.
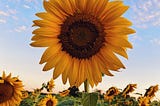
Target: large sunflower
[82,37]
[10,90]
[49,100]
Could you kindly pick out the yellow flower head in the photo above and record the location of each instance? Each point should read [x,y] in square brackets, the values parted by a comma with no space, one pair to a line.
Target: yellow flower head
[110,93]
[143,101]
[150,92]
[82,37]
[130,88]
[50,85]
[10,90]
[36,92]
[24,94]
[64,93]
[49,100]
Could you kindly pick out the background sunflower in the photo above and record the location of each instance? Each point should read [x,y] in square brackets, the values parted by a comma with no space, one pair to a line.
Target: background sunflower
[10,90]
[48,100]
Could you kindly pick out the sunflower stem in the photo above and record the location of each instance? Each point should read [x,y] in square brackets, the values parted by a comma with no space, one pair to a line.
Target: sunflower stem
[86,86]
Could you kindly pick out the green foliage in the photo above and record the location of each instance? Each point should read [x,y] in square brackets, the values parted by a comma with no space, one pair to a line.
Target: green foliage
[155,103]
[27,102]
[89,99]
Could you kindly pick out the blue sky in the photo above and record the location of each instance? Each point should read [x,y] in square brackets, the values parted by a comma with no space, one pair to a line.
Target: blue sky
[17,57]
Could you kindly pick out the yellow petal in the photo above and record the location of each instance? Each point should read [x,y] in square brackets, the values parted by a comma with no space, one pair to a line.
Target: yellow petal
[50,52]
[121,21]
[90,6]
[74,72]
[111,7]
[69,67]
[45,23]
[115,13]
[51,9]
[109,64]
[49,17]
[119,50]
[119,31]
[64,6]
[81,5]
[47,31]
[82,74]
[100,7]
[120,42]
[89,72]
[97,75]
[61,66]
[101,66]
[53,61]
[108,54]
[45,42]
[3,75]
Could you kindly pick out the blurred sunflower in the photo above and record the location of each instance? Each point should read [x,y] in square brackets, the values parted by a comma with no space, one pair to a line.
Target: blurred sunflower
[150,92]
[130,88]
[73,91]
[50,85]
[49,100]
[143,101]
[110,93]
[24,94]
[82,37]
[10,90]
[64,93]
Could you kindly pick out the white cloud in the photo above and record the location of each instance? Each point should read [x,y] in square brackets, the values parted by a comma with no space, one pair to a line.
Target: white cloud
[3,13]
[21,28]
[155,41]
[146,13]
[2,21]
[26,6]
[12,11]
[15,17]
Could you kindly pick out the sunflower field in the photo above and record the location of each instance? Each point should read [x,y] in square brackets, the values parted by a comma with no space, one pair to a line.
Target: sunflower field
[13,94]
[83,41]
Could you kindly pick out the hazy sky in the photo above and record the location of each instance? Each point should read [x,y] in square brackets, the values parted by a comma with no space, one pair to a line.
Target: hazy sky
[17,57]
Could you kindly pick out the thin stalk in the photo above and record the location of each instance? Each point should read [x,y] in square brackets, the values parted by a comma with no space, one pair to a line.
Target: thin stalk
[86,86]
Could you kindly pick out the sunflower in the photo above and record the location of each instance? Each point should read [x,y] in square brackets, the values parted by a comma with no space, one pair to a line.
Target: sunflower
[82,37]
[150,92]
[110,93]
[24,94]
[10,90]
[49,100]
[64,93]
[50,85]
[143,101]
[130,88]
[73,91]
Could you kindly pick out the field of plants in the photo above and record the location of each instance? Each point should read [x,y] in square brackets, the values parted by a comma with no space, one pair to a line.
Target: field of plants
[12,93]
[72,97]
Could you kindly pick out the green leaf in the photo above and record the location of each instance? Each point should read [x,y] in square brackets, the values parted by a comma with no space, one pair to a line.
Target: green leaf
[89,99]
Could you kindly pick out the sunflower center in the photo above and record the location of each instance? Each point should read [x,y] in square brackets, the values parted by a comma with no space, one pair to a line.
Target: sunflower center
[112,92]
[6,91]
[82,35]
[49,103]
